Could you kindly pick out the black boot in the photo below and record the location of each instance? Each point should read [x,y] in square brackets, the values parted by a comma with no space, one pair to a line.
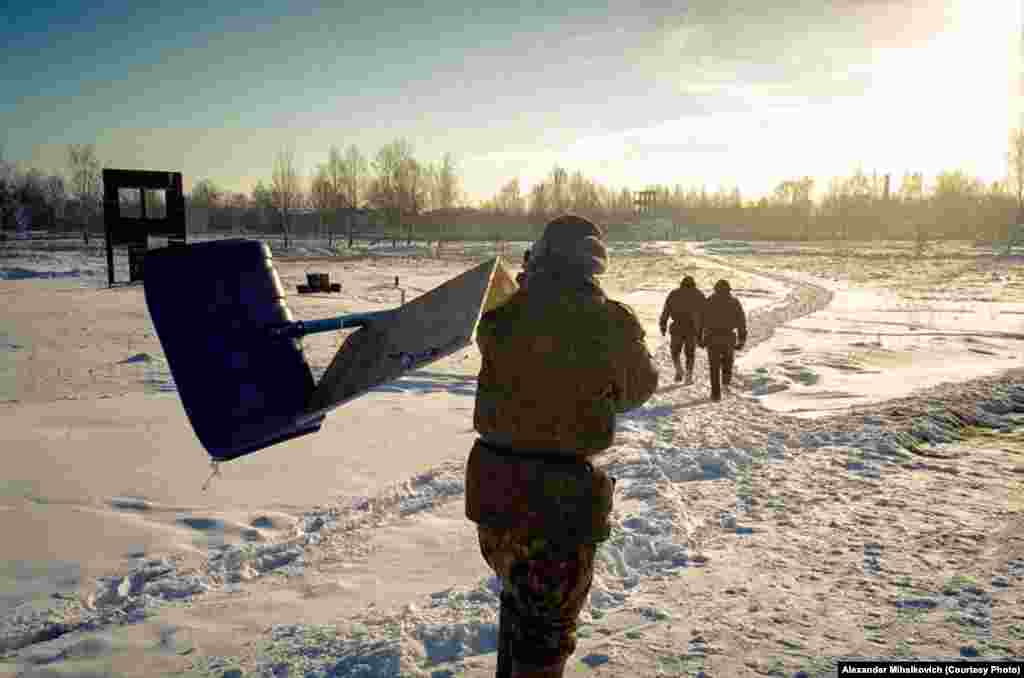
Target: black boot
[553,671]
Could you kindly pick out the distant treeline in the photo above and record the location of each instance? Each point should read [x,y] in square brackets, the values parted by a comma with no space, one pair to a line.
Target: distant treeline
[397,196]
[859,207]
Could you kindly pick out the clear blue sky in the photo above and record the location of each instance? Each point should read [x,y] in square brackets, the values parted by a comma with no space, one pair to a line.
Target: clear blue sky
[713,91]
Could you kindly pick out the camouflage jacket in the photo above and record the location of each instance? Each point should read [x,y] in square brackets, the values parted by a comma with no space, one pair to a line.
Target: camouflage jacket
[684,306]
[559,360]
[722,315]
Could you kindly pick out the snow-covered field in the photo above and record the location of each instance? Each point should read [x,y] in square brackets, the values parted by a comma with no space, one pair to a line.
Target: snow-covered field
[889,329]
[346,553]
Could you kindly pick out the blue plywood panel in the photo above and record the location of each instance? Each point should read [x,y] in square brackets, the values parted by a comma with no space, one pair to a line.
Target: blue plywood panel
[211,304]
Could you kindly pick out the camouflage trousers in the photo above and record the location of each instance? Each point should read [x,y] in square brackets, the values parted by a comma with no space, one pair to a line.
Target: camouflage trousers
[544,587]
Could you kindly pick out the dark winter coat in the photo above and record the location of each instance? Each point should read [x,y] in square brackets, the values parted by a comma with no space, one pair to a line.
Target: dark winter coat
[684,306]
[722,317]
[559,360]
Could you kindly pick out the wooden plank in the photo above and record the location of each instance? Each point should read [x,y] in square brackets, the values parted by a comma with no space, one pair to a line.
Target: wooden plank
[422,331]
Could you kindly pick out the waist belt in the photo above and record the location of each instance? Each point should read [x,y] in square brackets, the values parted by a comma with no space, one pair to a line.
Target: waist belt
[566,458]
[559,498]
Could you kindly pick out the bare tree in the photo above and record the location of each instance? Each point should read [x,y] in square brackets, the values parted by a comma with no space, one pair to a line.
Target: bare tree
[1016,158]
[238,204]
[415,189]
[430,183]
[559,180]
[7,173]
[624,203]
[509,200]
[394,167]
[207,197]
[206,193]
[30,196]
[354,169]
[262,202]
[262,197]
[490,205]
[447,182]
[285,190]
[957,200]
[321,193]
[836,204]
[912,207]
[1000,206]
[791,202]
[334,174]
[912,187]
[56,195]
[584,198]
[429,176]
[333,180]
[539,203]
[7,206]
[85,173]
[402,187]
[412,186]
[384,188]
[860,192]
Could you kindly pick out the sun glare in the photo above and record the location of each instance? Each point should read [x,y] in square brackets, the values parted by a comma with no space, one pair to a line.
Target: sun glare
[941,104]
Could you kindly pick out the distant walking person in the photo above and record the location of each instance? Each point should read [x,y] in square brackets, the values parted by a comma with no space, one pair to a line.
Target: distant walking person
[684,306]
[723,332]
[521,278]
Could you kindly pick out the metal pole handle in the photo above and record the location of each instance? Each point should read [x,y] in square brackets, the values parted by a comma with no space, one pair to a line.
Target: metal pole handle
[303,327]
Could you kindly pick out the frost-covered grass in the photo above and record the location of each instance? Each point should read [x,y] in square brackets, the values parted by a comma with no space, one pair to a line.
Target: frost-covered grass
[950,270]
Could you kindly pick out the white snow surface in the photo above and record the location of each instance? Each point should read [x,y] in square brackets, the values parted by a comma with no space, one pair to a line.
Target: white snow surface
[270,515]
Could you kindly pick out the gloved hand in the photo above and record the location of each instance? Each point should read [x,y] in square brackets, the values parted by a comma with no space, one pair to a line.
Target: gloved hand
[739,345]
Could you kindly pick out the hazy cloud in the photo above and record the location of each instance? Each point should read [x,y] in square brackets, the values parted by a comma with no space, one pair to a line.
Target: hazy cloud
[801,47]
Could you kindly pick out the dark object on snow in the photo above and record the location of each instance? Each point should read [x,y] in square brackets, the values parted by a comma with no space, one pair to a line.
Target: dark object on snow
[319,282]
